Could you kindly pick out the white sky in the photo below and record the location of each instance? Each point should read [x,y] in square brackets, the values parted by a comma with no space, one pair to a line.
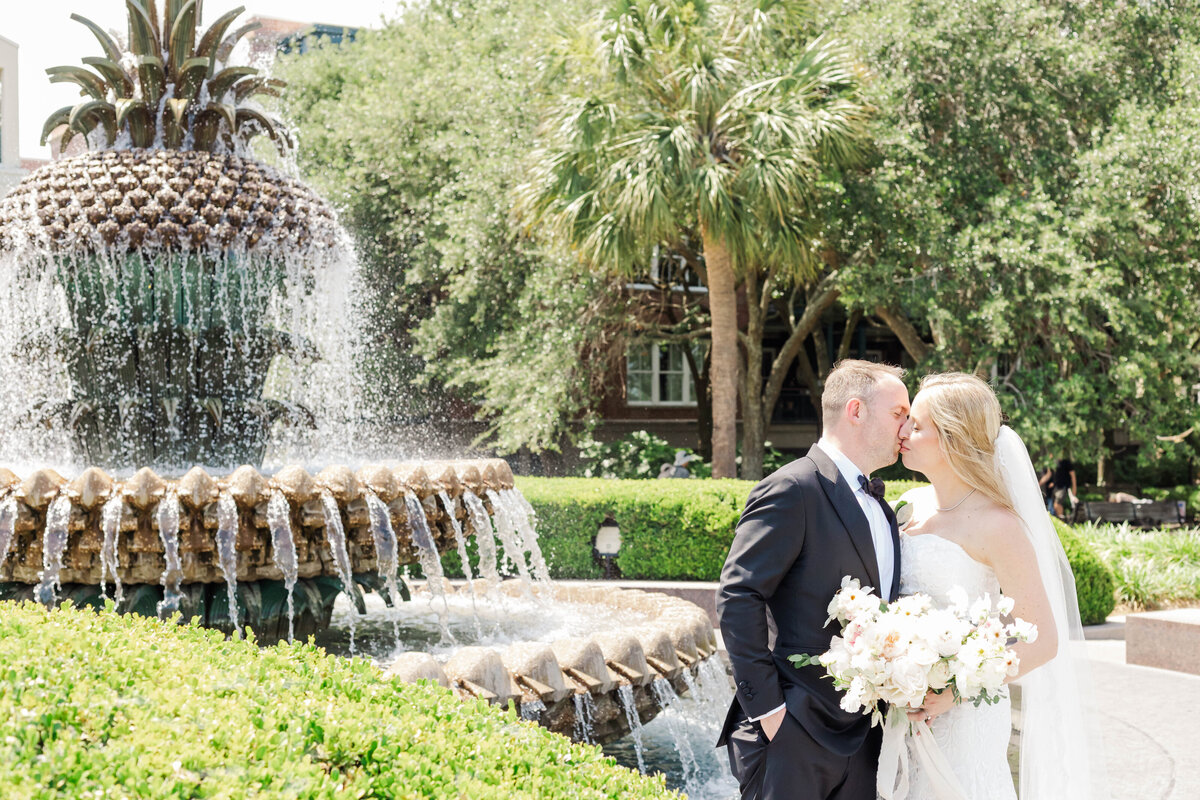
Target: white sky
[48,37]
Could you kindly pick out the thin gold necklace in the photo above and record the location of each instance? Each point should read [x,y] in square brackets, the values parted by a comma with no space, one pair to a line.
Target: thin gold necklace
[959,503]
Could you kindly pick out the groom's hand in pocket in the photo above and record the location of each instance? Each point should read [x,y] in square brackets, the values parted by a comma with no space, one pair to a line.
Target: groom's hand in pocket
[770,725]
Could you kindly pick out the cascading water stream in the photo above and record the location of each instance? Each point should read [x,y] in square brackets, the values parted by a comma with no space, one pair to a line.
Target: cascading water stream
[110,521]
[484,539]
[431,564]
[8,524]
[335,534]
[169,513]
[506,530]
[523,516]
[585,717]
[666,697]
[625,696]
[227,528]
[461,543]
[54,543]
[386,558]
[279,519]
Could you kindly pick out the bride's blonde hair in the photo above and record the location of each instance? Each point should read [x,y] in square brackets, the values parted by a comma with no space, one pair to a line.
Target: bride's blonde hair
[967,416]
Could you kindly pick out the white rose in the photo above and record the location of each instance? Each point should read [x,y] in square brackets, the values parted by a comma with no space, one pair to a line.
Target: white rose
[939,675]
[909,680]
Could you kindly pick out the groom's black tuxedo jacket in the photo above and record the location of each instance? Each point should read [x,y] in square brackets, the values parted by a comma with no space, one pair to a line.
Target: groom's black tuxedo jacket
[801,531]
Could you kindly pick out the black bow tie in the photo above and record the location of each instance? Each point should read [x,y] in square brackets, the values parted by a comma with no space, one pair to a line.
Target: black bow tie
[873,487]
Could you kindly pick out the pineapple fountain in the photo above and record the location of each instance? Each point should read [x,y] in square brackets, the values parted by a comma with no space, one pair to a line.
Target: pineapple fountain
[178,310]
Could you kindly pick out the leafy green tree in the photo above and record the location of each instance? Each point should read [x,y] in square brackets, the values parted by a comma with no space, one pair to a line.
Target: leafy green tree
[418,131]
[701,127]
[1028,211]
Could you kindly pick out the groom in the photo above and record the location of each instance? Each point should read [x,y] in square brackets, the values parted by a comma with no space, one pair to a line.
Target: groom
[803,528]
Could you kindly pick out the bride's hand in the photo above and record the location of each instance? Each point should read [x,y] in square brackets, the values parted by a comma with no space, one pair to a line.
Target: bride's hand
[934,706]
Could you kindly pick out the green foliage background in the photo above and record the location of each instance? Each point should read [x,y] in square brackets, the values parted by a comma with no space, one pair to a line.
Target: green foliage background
[95,704]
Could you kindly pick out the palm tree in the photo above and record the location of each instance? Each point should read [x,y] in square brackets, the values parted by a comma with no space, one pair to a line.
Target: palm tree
[689,121]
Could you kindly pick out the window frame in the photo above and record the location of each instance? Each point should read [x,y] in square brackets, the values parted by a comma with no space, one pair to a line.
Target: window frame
[656,373]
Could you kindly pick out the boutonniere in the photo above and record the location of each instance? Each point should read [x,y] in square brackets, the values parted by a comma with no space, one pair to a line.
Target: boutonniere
[903,511]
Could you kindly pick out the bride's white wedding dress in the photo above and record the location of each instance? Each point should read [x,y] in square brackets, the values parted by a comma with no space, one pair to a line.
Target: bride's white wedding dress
[973,739]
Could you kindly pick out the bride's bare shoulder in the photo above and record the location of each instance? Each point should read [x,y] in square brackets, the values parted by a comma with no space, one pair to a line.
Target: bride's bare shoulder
[1000,533]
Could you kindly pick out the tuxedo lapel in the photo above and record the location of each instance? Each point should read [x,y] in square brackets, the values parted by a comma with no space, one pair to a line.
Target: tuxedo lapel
[891,518]
[841,497]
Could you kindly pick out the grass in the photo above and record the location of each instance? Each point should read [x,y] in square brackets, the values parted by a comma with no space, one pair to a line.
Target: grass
[1153,569]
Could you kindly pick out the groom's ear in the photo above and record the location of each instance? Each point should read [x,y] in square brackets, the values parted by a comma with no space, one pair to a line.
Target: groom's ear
[855,409]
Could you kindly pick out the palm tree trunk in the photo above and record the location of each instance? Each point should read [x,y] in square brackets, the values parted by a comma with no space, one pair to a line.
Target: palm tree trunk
[722,305]
[754,424]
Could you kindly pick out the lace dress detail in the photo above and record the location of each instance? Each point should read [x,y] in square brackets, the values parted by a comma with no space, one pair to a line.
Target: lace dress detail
[974,740]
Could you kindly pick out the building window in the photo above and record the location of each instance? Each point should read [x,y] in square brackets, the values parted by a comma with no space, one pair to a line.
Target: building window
[658,374]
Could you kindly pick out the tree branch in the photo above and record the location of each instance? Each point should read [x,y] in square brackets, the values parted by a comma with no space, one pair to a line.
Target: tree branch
[905,332]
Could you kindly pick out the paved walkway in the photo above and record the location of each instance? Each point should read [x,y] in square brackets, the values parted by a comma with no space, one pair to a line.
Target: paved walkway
[1151,721]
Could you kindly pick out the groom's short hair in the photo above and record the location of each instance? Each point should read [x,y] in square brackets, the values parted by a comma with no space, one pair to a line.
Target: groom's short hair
[852,378]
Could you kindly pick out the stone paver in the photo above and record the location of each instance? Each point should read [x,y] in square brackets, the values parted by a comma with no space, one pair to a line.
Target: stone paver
[1151,723]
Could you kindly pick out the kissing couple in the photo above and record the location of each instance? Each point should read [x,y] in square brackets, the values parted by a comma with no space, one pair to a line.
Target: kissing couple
[980,526]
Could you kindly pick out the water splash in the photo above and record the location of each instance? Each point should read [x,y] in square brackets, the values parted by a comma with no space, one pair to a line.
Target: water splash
[427,555]
[625,696]
[54,543]
[169,513]
[335,534]
[525,517]
[227,528]
[506,530]
[585,718]
[664,693]
[461,543]
[110,521]
[279,519]
[484,538]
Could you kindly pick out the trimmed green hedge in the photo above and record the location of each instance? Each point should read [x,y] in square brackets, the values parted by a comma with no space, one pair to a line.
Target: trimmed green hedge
[670,529]
[1094,583]
[682,529]
[93,704]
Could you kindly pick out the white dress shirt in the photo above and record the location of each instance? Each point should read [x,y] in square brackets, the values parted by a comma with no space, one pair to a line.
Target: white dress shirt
[881,530]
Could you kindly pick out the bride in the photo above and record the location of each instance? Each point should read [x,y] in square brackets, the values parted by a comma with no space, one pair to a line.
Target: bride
[981,525]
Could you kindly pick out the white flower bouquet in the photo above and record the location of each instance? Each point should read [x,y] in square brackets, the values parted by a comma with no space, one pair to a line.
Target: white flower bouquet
[896,652]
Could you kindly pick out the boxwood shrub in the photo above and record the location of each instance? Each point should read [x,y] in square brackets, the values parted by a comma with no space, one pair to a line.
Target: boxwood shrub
[101,705]
[1094,582]
[682,529]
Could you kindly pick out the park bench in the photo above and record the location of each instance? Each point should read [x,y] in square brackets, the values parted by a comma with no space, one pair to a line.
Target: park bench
[1160,514]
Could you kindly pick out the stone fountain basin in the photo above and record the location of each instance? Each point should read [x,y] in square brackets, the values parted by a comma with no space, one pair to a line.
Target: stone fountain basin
[140,545]
[667,638]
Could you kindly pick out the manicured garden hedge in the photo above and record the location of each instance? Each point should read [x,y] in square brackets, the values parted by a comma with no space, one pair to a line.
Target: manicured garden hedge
[1094,584]
[100,705]
[682,529]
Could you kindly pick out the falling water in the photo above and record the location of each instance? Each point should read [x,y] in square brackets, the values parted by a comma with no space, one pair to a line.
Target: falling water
[665,694]
[625,695]
[227,528]
[461,542]
[335,533]
[427,554]
[585,717]
[279,518]
[168,531]
[110,521]
[386,558]
[58,516]
[509,536]
[524,516]
[484,539]
[532,709]
[8,522]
